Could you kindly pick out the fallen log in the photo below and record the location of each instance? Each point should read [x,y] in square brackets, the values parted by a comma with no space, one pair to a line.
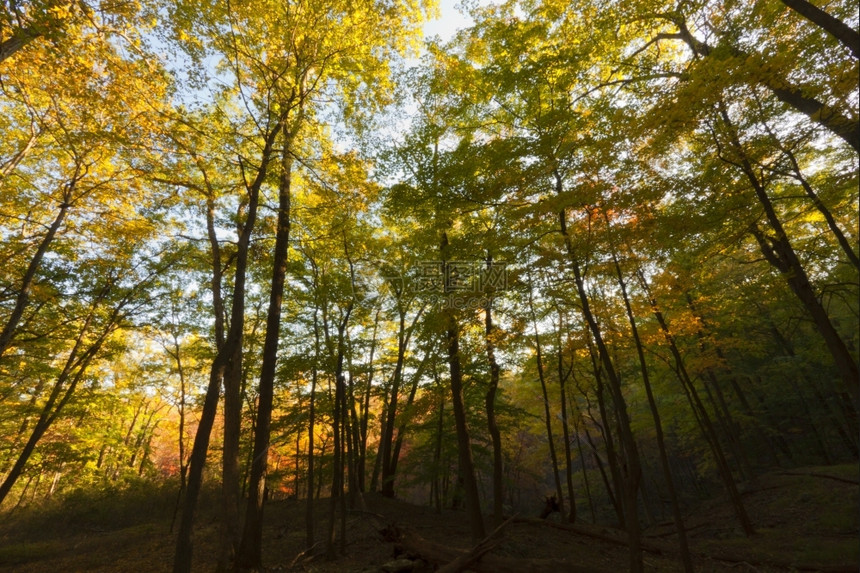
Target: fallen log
[475,553]
[450,559]
[610,536]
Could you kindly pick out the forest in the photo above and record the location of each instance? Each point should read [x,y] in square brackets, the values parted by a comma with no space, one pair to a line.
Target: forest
[290,257]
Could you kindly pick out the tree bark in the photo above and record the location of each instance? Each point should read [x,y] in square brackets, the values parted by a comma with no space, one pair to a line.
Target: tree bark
[387,437]
[699,411]
[365,411]
[29,275]
[309,502]
[464,444]
[250,555]
[779,252]
[233,340]
[17,40]
[337,422]
[818,203]
[410,399]
[631,467]
[562,378]
[830,24]
[818,112]
[547,416]
[492,425]
[686,558]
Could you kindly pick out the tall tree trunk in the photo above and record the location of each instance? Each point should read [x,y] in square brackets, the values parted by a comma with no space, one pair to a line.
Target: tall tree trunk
[365,411]
[547,416]
[437,450]
[337,422]
[387,438]
[700,334]
[377,462]
[410,399]
[250,555]
[309,502]
[74,369]
[631,468]
[613,489]
[797,174]
[233,340]
[778,251]
[841,125]
[847,434]
[584,470]
[353,451]
[464,444]
[699,411]
[686,558]
[562,378]
[183,462]
[492,425]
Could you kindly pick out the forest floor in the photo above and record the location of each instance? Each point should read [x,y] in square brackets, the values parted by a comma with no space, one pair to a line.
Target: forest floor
[806,520]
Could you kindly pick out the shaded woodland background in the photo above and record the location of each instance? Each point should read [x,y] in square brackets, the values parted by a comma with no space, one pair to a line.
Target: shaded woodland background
[273,252]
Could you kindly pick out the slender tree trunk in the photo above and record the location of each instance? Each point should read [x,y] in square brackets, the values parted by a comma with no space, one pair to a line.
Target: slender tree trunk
[337,475]
[230,489]
[840,237]
[613,491]
[377,462]
[547,416]
[309,503]
[354,440]
[387,445]
[250,555]
[437,450]
[700,412]
[778,251]
[23,296]
[147,450]
[387,437]
[584,470]
[50,411]
[227,352]
[686,558]
[365,411]
[492,425]
[841,125]
[464,444]
[345,463]
[410,399]
[849,442]
[608,486]
[183,463]
[338,466]
[631,468]
[74,369]
[562,378]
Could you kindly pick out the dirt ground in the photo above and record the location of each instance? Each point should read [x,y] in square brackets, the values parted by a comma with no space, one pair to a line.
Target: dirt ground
[806,520]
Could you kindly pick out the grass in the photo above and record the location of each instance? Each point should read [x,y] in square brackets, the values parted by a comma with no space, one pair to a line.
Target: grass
[13,554]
